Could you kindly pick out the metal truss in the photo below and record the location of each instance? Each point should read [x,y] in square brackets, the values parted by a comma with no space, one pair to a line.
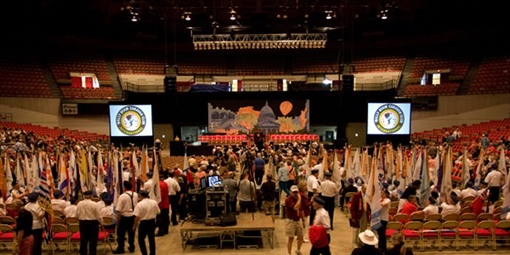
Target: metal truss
[259,41]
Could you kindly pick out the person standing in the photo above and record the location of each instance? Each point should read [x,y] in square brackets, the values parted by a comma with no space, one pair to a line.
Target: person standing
[283,179]
[231,187]
[24,237]
[293,227]
[385,217]
[313,186]
[329,191]
[268,196]
[321,219]
[173,191]
[247,194]
[259,164]
[125,217]
[37,223]
[90,219]
[145,213]
[163,219]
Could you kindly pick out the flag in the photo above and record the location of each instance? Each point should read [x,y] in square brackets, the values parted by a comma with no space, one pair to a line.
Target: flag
[117,177]
[155,191]
[364,166]
[3,183]
[83,171]
[73,174]
[390,166]
[348,164]
[307,163]
[425,183]
[133,166]
[417,160]
[144,165]
[446,186]
[440,169]
[325,163]
[336,169]
[505,208]
[18,172]
[64,184]
[356,164]
[374,195]
[465,177]
[502,162]
[91,177]
[31,170]
[398,163]
[478,172]
[437,165]
[189,174]
[44,195]
[100,185]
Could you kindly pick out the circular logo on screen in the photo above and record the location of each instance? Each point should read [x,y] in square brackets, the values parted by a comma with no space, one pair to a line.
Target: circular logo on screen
[130,120]
[389,118]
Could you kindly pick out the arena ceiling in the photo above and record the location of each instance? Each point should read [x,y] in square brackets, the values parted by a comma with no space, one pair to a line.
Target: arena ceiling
[160,20]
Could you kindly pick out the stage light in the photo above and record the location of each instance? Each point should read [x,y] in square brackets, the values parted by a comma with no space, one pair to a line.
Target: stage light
[134,18]
[329,16]
[232,17]
[188,18]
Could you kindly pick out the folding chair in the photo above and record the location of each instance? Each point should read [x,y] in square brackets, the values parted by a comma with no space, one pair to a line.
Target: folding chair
[74,237]
[431,232]
[412,231]
[392,228]
[7,220]
[485,232]
[434,216]
[467,216]
[466,233]
[502,231]
[417,216]
[59,236]
[484,216]
[402,217]
[449,232]
[451,216]
[7,237]
[71,220]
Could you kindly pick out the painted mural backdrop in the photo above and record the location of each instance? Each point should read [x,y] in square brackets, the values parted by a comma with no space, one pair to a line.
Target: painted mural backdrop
[269,116]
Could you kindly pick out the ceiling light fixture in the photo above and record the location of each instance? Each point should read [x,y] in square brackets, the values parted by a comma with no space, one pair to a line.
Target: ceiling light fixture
[188,18]
[329,16]
[134,19]
[232,17]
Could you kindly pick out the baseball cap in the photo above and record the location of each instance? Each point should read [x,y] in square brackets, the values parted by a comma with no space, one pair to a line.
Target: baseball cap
[294,188]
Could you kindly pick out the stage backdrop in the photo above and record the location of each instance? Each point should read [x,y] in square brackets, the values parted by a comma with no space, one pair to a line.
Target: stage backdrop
[267,116]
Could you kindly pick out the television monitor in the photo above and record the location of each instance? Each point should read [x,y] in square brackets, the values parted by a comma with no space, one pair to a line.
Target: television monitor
[203,183]
[213,180]
[130,120]
[389,118]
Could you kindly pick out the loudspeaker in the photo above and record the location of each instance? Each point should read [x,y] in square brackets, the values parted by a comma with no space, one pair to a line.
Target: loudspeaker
[170,84]
[347,82]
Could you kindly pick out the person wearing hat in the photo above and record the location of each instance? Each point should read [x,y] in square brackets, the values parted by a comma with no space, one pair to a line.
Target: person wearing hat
[329,191]
[58,203]
[293,227]
[37,223]
[314,189]
[321,219]
[369,241]
[268,196]
[125,206]
[90,219]
[149,183]
[145,213]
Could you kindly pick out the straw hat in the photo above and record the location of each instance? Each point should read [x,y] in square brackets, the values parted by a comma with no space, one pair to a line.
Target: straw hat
[368,237]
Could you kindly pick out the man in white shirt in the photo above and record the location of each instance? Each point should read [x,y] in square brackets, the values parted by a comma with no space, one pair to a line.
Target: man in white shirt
[87,212]
[314,190]
[173,196]
[37,223]
[321,218]
[149,183]
[329,190]
[431,207]
[125,217]
[494,180]
[468,191]
[450,205]
[70,210]
[58,203]
[145,213]
[385,217]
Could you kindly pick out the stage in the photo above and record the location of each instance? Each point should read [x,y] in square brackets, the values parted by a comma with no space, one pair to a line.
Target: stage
[245,222]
